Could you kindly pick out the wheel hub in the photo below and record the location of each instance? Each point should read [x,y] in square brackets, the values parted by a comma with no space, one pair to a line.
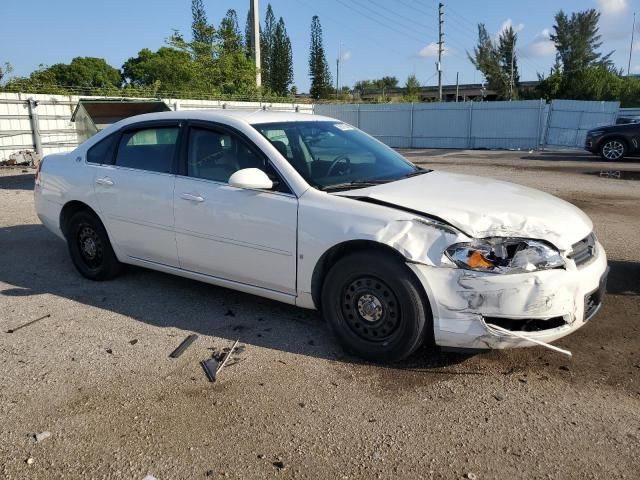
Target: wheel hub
[370,307]
[89,247]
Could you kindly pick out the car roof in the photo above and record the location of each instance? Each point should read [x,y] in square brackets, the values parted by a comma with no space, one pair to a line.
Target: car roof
[252,117]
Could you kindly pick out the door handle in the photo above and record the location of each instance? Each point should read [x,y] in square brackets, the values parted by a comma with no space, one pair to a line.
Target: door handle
[104,181]
[191,198]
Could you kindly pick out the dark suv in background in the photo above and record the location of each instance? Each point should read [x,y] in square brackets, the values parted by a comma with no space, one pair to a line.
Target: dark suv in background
[614,142]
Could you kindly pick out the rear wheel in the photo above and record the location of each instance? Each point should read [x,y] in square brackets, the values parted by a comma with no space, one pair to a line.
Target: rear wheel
[90,248]
[375,307]
[613,149]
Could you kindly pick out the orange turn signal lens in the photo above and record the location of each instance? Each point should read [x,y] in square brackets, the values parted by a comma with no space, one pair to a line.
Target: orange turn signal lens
[476,260]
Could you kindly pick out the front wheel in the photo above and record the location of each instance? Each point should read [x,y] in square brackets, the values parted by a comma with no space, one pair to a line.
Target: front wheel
[90,248]
[613,150]
[375,307]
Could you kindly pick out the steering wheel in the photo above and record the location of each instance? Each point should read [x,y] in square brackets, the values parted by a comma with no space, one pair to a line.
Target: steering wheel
[336,161]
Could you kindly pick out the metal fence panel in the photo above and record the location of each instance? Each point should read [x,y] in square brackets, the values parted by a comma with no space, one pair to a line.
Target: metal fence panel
[390,124]
[347,113]
[506,125]
[443,125]
[569,120]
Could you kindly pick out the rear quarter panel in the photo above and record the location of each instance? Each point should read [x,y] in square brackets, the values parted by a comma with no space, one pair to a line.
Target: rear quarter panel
[63,178]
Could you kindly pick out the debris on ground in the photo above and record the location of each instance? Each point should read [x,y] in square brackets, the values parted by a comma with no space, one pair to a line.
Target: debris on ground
[29,461]
[28,323]
[217,362]
[279,465]
[498,396]
[183,346]
[470,476]
[133,342]
[109,351]
[210,367]
[39,437]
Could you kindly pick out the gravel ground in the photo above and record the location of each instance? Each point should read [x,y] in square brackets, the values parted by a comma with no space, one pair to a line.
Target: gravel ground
[96,373]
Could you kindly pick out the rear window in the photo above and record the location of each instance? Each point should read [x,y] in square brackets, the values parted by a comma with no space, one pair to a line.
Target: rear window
[150,149]
[102,152]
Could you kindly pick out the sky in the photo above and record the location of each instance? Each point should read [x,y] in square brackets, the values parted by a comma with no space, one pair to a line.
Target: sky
[373,38]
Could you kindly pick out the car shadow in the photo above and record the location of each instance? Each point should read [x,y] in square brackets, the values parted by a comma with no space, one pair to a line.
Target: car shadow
[35,262]
[17,182]
[624,278]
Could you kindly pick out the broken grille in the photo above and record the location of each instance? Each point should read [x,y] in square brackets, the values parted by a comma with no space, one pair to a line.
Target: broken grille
[584,250]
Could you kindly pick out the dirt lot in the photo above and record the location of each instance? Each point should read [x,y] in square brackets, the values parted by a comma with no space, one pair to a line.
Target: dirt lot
[96,374]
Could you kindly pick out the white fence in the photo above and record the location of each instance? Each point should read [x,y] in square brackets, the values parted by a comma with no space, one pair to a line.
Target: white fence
[58,133]
[527,124]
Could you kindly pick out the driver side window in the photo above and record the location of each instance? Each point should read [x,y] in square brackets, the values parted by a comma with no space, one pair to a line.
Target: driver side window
[216,155]
[211,156]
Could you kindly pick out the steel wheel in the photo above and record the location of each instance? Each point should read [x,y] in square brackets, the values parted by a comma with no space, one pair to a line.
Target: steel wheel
[613,150]
[371,309]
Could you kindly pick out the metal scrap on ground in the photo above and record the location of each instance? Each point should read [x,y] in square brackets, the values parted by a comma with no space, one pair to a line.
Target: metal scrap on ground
[183,346]
[212,366]
[28,323]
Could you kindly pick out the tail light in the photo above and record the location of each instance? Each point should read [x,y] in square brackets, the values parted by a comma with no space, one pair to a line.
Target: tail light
[38,169]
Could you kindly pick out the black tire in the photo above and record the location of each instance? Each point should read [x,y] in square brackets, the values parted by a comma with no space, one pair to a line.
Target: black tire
[375,307]
[90,248]
[613,149]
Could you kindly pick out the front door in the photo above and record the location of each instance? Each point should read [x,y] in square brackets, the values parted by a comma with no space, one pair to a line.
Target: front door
[135,194]
[247,236]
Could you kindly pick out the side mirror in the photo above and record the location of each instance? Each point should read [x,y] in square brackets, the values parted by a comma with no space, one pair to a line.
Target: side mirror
[251,178]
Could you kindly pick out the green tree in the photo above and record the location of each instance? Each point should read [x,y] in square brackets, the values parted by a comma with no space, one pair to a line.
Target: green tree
[5,71]
[493,60]
[229,32]
[248,35]
[318,66]
[281,68]
[508,60]
[577,40]
[203,33]
[386,82]
[412,88]
[267,39]
[168,69]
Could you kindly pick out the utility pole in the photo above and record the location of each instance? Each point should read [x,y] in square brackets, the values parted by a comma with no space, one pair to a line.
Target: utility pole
[457,86]
[633,30]
[513,53]
[337,76]
[338,71]
[255,39]
[440,47]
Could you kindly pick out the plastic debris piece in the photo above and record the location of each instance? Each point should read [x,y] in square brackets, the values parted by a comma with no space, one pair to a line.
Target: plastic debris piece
[210,367]
[42,436]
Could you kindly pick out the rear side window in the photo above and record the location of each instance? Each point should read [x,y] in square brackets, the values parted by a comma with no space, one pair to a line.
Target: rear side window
[150,149]
[102,152]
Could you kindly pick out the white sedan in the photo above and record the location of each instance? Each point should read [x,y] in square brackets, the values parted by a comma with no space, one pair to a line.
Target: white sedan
[313,212]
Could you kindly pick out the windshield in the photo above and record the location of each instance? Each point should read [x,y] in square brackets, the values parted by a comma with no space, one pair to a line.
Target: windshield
[334,155]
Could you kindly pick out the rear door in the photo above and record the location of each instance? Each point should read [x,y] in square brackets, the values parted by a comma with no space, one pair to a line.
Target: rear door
[247,236]
[135,192]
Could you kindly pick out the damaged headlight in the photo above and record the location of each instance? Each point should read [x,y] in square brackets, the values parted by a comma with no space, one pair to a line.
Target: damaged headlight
[504,255]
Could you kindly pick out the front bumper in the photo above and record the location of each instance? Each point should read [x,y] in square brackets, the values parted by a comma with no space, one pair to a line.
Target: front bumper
[592,144]
[463,302]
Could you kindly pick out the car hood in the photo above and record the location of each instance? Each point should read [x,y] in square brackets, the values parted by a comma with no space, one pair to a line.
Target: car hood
[483,207]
